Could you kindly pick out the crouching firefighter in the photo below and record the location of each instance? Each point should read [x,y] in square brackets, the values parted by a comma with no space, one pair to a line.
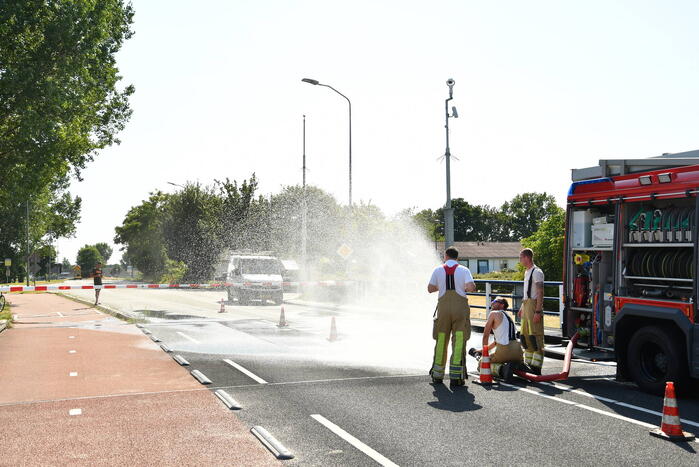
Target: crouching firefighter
[505,352]
[532,313]
[452,318]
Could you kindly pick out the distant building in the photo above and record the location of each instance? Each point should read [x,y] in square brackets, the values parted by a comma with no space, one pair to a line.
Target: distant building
[485,257]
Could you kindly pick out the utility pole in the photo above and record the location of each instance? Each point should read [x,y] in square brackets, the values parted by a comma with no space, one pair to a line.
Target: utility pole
[27,261]
[304,207]
[448,210]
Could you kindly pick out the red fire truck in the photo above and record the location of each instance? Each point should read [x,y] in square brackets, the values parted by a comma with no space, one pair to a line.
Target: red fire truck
[630,266]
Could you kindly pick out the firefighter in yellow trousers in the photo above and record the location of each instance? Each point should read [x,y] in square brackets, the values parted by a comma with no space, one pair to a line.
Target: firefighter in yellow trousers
[532,313]
[453,318]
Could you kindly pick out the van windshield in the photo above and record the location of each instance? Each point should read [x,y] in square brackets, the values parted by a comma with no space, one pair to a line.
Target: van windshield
[259,266]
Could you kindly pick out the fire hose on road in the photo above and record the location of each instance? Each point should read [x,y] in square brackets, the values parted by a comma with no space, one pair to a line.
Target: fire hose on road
[557,376]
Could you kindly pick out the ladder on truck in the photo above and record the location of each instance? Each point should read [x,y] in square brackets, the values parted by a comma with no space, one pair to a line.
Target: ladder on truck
[616,167]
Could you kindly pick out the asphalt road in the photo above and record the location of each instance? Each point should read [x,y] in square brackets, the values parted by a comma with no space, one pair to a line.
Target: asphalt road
[367,397]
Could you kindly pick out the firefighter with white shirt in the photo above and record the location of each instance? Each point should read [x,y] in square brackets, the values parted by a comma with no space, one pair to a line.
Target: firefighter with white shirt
[505,351]
[532,313]
[453,318]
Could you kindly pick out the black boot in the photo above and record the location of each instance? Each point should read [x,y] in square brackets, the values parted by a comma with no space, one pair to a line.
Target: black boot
[506,371]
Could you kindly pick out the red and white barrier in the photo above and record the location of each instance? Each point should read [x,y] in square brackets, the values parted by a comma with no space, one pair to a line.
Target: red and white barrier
[46,288]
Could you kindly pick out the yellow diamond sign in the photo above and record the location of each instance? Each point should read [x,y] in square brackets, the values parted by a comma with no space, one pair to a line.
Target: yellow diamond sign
[344,251]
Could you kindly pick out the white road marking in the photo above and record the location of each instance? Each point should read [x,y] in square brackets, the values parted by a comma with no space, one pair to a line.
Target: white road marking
[245,370]
[60,314]
[72,351]
[615,402]
[582,406]
[75,412]
[73,373]
[353,441]
[188,337]
[71,337]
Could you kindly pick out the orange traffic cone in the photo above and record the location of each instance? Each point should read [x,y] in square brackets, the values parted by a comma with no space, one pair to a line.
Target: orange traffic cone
[333,331]
[671,428]
[223,307]
[486,375]
[282,319]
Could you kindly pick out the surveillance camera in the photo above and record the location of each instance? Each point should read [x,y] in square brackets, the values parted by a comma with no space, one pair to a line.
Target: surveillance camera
[454,113]
[450,82]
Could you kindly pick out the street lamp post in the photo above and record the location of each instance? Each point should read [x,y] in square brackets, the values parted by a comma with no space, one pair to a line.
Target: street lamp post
[317,83]
[304,208]
[175,184]
[448,210]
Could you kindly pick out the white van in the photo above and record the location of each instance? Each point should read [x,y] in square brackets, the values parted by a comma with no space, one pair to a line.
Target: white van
[255,278]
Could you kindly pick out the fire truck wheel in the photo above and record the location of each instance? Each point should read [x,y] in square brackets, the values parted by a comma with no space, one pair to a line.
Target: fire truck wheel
[655,356]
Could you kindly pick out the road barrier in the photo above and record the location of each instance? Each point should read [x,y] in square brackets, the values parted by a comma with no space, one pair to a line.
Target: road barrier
[221,285]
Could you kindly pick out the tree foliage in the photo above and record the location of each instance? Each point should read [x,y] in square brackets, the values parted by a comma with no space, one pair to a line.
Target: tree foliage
[142,236]
[88,257]
[525,213]
[547,243]
[105,251]
[59,103]
[513,221]
[183,235]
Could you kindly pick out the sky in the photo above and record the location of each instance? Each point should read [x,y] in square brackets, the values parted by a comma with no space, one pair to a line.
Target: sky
[541,87]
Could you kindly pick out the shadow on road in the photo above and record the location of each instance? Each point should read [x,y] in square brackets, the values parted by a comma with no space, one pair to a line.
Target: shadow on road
[458,400]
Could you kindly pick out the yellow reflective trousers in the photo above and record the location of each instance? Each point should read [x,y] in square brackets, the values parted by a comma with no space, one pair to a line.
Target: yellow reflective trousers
[453,320]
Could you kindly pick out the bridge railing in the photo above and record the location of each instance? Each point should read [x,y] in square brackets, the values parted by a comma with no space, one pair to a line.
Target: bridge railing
[514,292]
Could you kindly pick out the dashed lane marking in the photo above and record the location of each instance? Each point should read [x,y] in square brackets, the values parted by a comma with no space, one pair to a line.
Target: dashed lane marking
[72,351]
[73,373]
[60,314]
[71,337]
[191,339]
[75,412]
[245,370]
[353,441]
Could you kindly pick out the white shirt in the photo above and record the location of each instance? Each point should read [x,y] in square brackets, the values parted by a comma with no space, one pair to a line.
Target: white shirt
[538,277]
[462,276]
[502,332]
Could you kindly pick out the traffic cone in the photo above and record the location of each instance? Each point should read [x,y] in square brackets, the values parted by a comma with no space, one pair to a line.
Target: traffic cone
[486,375]
[671,428]
[282,319]
[223,307]
[333,330]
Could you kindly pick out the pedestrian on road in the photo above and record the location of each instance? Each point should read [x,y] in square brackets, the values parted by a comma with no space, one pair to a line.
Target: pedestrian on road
[505,351]
[532,312]
[453,317]
[97,280]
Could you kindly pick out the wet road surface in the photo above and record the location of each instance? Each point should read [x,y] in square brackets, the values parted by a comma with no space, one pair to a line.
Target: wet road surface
[367,394]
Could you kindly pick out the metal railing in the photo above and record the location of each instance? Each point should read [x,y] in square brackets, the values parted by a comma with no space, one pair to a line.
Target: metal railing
[514,291]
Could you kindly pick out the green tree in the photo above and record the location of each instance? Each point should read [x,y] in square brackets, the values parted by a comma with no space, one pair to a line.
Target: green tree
[60,103]
[142,237]
[547,243]
[475,223]
[65,265]
[431,224]
[105,250]
[525,213]
[88,257]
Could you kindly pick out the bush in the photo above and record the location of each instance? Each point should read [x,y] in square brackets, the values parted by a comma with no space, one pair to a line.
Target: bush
[174,272]
[505,275]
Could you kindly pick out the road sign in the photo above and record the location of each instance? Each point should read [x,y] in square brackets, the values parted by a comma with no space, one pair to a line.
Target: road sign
[345,251]
[8,262]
